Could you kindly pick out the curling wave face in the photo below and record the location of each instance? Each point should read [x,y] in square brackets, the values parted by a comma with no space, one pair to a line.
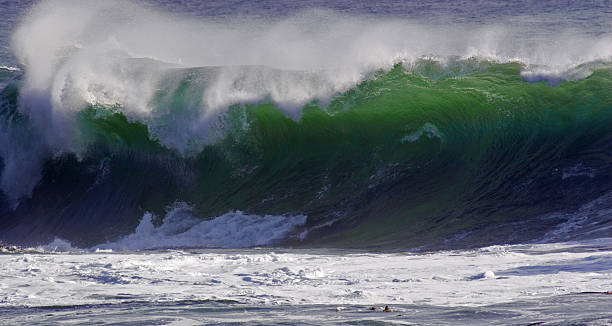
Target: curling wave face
[383,132]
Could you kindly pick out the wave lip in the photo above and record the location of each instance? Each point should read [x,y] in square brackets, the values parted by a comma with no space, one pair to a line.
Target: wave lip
[181,229]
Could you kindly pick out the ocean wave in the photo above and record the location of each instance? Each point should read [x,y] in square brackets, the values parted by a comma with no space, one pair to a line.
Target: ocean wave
[402,134]
[99,54]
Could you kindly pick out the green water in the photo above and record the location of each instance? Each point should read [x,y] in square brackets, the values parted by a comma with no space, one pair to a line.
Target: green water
[406,158]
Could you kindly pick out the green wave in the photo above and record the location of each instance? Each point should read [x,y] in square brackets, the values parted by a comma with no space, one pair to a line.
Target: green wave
[409,157]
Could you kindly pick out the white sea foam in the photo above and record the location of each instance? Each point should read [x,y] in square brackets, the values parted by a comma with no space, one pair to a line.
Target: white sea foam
[80,53]
[261,277]
[181,229]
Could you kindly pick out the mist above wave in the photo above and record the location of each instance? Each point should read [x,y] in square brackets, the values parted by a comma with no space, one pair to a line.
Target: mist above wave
[79,53]
[76,52]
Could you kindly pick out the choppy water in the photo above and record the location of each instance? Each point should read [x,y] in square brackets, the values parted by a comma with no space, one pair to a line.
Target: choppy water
[553,284]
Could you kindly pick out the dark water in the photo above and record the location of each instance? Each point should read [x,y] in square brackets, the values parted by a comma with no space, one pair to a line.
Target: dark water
[572,309]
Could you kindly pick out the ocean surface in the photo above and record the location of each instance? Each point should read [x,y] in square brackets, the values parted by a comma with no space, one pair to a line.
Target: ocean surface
[188,162]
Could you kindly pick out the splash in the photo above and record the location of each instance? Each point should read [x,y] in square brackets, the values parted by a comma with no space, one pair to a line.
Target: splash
[180,229]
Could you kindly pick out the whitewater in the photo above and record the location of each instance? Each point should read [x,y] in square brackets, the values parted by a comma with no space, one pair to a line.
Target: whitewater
[189,163]
[523,284]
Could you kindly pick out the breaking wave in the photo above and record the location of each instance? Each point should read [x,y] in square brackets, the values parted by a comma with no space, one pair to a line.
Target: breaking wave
[384,133]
